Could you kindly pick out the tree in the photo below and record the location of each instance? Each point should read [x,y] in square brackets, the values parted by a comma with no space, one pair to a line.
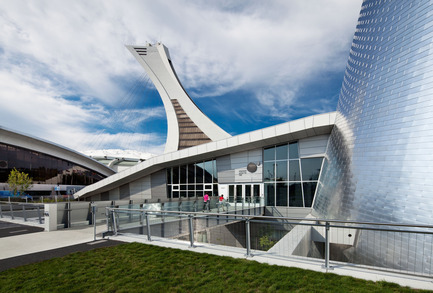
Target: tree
[19,181]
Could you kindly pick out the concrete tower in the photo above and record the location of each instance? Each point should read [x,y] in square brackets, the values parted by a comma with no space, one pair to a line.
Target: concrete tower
[379,159]
[187,124]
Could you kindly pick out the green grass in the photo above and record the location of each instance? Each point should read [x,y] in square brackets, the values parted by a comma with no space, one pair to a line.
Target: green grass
[136,267]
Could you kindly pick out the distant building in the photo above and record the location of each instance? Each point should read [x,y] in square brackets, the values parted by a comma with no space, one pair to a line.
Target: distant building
[50,165]
[117,159]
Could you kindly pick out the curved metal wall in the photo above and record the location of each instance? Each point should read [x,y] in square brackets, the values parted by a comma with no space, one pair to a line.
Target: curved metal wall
[380,153]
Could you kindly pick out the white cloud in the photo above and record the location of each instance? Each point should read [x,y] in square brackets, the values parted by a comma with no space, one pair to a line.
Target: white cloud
[52,49]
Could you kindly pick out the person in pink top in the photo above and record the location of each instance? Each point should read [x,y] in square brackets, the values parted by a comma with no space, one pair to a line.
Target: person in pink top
[206,202]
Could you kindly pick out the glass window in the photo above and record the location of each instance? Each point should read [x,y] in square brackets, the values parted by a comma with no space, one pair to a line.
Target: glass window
[311,168]
[269,171]
[293,150]
[208,172]
[281,194]
[215,172]
[269,154]
[215,190]
[295,195]
[309,190]
[191,173]
[231,193]
[282,152]
[168,175]
[294,172]
[168,191]
[199,172]
[281,168]
[238,191]
[247,190]
[183,174]
[270,194]
[256,190]
[175,175]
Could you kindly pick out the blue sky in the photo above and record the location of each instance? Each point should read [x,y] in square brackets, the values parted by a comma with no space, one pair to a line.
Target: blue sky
[67,77]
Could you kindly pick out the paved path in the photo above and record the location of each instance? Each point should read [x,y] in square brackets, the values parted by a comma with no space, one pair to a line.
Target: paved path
[23,244]
[12,229]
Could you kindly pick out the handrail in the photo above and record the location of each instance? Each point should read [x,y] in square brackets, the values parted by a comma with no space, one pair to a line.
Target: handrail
[285,218]
[114,216]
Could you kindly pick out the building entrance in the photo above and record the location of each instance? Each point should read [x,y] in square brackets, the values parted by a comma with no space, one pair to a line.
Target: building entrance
[238,192]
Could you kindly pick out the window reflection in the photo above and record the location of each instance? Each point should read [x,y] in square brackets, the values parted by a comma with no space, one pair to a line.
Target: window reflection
[295,195]
[289,180]
[311,168]
[43,168]
[192,179]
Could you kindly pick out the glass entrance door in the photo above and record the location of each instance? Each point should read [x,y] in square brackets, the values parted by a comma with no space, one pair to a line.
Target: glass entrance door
[247,192]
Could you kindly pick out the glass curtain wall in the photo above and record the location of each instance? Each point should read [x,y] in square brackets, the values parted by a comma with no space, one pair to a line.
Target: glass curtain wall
[43,168]
[192,180]
[289,180]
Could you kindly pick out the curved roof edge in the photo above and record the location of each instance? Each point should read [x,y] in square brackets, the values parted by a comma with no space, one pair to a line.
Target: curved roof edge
[26,141]
[293,130]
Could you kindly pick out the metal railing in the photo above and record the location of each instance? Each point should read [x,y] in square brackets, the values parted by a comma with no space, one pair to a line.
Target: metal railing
[408,249]
[24,211]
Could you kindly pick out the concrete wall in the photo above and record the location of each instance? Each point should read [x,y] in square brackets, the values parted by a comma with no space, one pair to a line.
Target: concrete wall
[158,186]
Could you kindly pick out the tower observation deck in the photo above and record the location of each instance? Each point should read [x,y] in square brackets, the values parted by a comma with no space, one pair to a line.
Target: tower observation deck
[187,125]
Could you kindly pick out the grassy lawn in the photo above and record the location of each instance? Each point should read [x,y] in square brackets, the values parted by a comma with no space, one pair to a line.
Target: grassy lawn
[136,267]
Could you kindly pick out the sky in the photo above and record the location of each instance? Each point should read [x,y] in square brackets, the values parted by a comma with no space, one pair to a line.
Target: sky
[66,76]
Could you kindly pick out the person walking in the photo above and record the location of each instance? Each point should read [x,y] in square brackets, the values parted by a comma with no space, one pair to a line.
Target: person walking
[221,200]
[206,202]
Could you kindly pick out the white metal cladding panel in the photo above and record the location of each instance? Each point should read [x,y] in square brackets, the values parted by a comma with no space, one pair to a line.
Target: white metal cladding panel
[225,173]
[141,188]
[313,146]
[240,161]
[380,150]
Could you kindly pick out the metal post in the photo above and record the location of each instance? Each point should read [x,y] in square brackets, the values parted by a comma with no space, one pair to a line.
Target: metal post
[68,213]
[94,209]
[107,217]
[130,213]
[24,213]
[114,222]
[12,211]
[1,212]
[191,231]
[39,215]
[248,240]
[327,267]
[148,227]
